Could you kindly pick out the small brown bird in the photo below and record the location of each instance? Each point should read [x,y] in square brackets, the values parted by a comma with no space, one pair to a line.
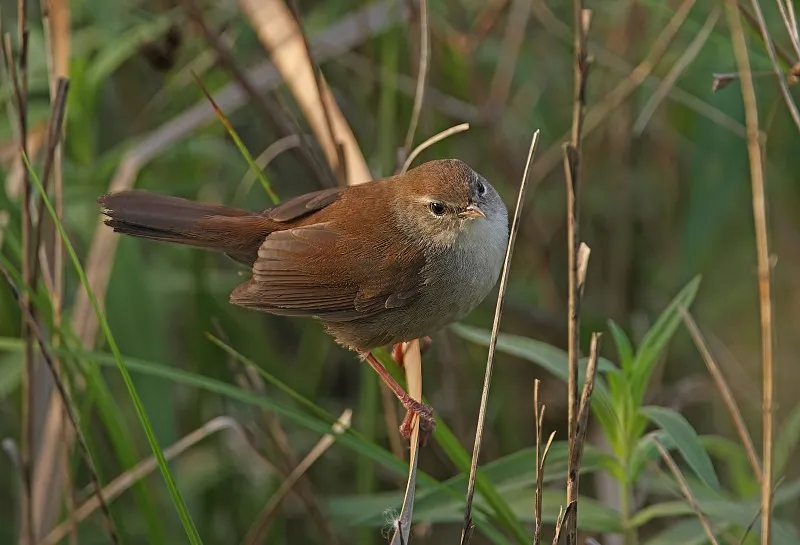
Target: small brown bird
[378,263]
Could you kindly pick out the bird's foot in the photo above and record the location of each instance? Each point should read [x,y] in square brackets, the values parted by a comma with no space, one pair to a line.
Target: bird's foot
[427,421]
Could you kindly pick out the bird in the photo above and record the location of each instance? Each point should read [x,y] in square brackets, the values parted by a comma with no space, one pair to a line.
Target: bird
[379,263]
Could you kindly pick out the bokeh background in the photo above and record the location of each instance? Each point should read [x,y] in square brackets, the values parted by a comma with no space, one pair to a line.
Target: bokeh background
[666,196]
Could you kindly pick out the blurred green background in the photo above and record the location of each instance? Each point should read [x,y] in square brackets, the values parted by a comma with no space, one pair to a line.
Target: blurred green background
[666,196]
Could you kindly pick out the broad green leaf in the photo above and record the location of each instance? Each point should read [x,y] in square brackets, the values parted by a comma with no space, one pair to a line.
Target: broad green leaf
[657,338]
[686,441]
[686,532]
[553,360]
[667,509]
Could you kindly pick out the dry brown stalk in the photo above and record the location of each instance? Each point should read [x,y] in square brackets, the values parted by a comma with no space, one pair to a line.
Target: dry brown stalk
[725,392]
[541,456]
[259,528]
[281,35]
[572,177]
[468,527]
[770,47]
[762,249]
[422,76]
[270,109]
[126,480]
[687,492]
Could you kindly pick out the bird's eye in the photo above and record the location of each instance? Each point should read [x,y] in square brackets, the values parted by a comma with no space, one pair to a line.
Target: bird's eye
[437,208]
[481,188]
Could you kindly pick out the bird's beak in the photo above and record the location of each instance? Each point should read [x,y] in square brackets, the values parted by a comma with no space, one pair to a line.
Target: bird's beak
[471,212]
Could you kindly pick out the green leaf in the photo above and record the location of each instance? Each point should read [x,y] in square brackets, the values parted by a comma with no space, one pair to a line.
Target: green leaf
[667,509]
[657,338]
[624,348]
[553,360]
[686,441]
[687,532]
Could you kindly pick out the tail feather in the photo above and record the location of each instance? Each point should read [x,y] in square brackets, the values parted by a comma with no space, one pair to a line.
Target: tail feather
[237,232]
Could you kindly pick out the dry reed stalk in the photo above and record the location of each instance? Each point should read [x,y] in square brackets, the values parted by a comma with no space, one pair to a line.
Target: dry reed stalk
[762,250]
[572,178]
[687,492]
[259,528]
[281,35]
[725,392]
[468,527]
[126,480]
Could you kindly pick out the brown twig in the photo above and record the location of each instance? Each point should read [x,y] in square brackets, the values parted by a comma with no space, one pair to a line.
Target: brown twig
[687,492]
[54,134]
[18,74]
[466,530]
[576,445]
[133,475]
[422,77]
[280,32]
[431,141]
[725,391]
[541,456]
[560,521]
[762,250]
[572,177]
[62,392]
[762,27]
[271,111]
[259,527]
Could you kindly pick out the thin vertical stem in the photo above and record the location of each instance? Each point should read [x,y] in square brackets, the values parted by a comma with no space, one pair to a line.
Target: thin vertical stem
[572,172]
[762,253]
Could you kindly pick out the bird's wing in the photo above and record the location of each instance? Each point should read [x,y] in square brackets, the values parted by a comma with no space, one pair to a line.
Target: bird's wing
[302,205]
[318,270]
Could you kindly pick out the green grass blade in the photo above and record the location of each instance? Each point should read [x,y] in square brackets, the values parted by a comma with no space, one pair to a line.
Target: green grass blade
[262,178]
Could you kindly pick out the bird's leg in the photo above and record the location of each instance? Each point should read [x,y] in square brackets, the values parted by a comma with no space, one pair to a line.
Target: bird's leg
[399,352]
[427,422]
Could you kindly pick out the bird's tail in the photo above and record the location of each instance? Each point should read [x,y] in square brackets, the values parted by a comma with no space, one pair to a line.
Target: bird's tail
[237,232]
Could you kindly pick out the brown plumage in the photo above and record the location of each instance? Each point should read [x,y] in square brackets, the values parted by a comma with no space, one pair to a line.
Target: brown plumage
[378,263]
